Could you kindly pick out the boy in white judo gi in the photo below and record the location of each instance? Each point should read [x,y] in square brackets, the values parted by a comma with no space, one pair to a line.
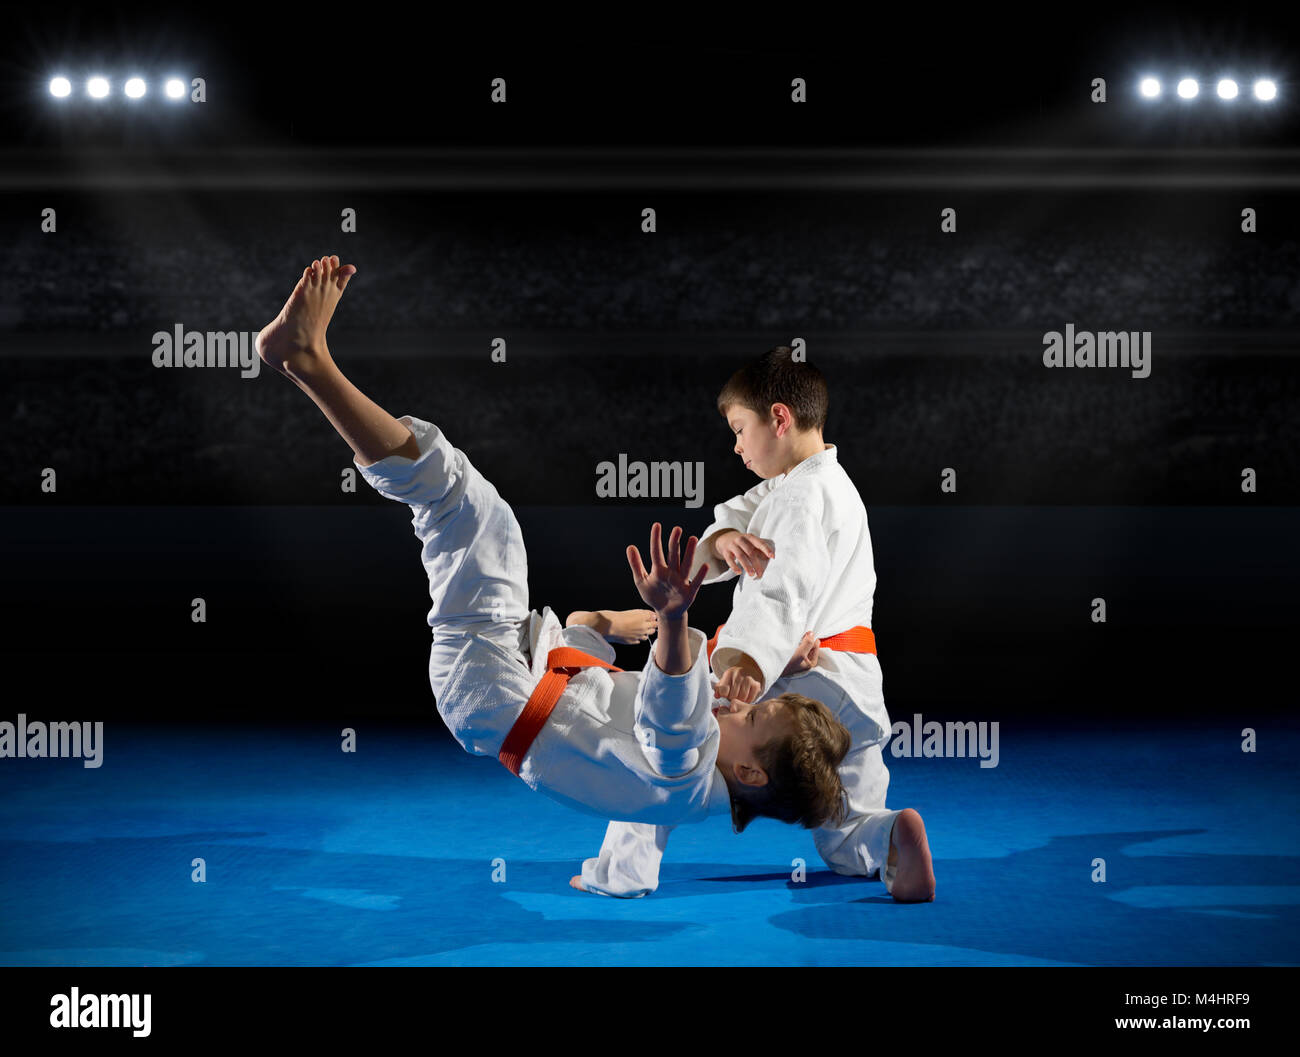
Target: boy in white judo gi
[545,700]
[800,544]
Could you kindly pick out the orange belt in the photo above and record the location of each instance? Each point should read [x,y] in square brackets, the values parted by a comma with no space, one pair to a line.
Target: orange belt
[855,640]
[562,664]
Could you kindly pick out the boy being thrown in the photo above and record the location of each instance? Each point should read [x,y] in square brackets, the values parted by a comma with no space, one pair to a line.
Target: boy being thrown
[512,683]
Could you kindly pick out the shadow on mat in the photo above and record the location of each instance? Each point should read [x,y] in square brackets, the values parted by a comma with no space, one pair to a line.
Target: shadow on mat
[275,906]
[1175,909]
[815,879]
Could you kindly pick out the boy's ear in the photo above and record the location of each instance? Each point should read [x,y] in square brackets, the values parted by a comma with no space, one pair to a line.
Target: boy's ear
[782,416]
[755,777]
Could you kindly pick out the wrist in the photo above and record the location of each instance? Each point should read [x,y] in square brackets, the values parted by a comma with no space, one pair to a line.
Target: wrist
[718,536]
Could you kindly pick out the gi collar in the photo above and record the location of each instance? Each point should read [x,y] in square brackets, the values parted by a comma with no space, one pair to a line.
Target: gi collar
[815,462]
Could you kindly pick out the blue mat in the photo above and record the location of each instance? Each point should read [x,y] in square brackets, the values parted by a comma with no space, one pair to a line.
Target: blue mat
[385,857]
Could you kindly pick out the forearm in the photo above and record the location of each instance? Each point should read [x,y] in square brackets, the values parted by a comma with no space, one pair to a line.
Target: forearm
[673,646]
[674,700]
[771,613]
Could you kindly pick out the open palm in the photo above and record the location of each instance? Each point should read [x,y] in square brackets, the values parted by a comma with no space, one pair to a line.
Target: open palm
[667,587]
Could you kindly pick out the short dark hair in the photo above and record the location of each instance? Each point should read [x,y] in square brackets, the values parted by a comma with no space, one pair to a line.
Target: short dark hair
[803,782]
[776,378]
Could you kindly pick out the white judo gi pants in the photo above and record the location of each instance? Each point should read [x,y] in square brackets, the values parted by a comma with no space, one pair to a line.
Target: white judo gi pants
[473,552]
[861,846]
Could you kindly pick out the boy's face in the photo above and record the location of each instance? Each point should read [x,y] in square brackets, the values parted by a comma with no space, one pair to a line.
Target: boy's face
[744,728]
[755,441]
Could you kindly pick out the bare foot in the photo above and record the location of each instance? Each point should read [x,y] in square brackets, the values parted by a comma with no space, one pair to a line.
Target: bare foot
[909,850]
[576,882]
[295,340]
[618,625]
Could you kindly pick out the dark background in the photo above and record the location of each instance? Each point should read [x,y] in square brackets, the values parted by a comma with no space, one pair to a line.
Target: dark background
[775,221]
[379,76]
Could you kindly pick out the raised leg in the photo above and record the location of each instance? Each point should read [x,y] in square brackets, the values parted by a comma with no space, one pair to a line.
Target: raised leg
[294,344]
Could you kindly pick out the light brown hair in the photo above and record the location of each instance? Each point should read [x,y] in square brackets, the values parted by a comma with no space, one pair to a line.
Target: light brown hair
[803,782]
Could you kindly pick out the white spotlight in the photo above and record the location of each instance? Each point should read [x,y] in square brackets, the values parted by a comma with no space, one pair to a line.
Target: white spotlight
[97,87]
[60,86]
[135,87]
[1227,88]
[175,88]
[1187,88]
[1149,87]
[1265,90]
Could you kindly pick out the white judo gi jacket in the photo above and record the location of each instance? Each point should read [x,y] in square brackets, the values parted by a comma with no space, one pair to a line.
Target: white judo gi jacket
[640,746]
[822,580]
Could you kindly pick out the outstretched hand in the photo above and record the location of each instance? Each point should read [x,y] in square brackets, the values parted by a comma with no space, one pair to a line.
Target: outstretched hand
[668,587]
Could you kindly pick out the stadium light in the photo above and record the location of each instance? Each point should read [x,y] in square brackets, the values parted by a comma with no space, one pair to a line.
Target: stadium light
[1227,88]
[175,88]
[1149,87]
[60,87]
[134,88]
[1187,88]
[1265,90]
[97,87]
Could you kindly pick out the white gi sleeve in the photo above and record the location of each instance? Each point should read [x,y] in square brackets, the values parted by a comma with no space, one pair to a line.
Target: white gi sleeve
[673,712]
[628,864]
[736,513]
[770,613]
